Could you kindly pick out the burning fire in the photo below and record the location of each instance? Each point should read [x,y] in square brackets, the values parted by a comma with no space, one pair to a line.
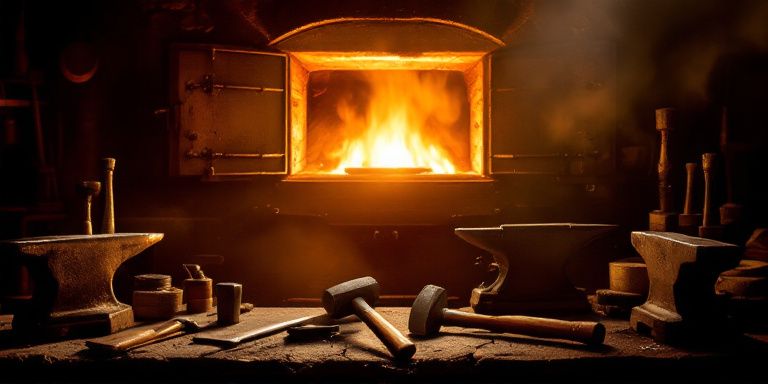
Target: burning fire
[397,119]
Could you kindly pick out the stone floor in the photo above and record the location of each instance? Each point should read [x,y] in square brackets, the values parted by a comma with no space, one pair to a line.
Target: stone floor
[355,354]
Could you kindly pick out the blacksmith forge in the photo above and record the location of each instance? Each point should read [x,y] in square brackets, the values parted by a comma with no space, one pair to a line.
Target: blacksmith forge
[531,158]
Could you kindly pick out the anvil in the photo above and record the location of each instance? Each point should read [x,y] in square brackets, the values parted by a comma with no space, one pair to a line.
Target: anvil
[72,277]
[532,261]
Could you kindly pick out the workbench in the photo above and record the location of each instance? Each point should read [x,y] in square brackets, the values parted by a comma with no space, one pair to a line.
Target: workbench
[355,354]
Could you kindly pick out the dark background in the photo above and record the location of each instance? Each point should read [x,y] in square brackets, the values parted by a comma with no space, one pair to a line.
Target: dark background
[696,56]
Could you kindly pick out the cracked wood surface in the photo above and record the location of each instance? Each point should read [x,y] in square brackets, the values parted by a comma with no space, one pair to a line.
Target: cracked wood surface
[356,353]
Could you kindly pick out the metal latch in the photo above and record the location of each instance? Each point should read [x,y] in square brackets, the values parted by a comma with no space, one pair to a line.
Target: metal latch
[210,154]
[208,84]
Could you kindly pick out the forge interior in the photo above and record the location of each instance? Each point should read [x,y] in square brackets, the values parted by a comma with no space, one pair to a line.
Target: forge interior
[292,145]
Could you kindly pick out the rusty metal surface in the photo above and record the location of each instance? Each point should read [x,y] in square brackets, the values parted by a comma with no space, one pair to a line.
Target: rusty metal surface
[231,116]
[552,110]
[73,280]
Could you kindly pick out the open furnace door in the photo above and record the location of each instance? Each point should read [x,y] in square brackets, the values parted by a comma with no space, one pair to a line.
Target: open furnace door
[230,112]
[553,110]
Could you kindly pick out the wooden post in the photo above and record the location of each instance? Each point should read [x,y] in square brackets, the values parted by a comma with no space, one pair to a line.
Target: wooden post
[730,212]
[108,223]
[689,222]
[663,219]
[707,229]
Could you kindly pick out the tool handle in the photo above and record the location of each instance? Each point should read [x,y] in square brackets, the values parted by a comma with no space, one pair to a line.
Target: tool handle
[136,339]
[587,332]
[398,345]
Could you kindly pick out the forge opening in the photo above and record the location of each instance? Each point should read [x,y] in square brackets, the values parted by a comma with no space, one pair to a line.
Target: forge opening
[397,120]
[378,117]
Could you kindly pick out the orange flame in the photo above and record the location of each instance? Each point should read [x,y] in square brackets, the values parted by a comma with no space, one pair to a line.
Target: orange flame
[402,119]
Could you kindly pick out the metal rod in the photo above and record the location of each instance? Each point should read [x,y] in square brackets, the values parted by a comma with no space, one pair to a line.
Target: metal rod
[108,223]
[690,168]
[707,162]
[218,155]
[211,172]
[511,156]
[247,88]
[515,156]
[248,155]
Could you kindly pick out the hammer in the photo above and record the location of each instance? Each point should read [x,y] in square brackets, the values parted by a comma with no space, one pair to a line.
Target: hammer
[429,313]
[356,296]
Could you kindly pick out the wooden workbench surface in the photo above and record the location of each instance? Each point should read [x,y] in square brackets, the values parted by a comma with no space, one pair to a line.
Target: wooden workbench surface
[457,354]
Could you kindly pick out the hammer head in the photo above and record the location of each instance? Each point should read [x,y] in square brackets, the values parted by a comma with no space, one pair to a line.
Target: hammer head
[427,311]
[337,300]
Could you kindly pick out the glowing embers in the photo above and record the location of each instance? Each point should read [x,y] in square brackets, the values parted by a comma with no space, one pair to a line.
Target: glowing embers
[382,122]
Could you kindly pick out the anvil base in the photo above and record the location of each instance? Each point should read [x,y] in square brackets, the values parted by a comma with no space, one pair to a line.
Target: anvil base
[662,325]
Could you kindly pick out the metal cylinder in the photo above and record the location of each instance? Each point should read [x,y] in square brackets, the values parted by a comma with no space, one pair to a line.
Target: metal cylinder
[707,163]
[690,169]
[108,224]
[228,298]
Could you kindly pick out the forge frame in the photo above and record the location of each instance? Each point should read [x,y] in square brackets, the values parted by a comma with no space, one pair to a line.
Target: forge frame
[242,114]
[302,64]
[371,44]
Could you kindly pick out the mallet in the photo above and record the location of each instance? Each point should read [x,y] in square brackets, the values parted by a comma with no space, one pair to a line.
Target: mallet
[357,296]
[429,313]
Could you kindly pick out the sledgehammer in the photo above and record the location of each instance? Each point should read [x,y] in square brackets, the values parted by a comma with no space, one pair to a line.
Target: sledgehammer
[429,313]
[357,296]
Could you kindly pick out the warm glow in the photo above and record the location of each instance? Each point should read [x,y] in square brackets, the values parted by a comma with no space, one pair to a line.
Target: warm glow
[389,119]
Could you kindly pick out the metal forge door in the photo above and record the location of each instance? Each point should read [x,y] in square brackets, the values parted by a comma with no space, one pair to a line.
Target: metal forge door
[348,99]
[393,100]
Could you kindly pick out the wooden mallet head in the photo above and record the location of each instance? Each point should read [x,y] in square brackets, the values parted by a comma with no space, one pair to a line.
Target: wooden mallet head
[337,300]
[427,311]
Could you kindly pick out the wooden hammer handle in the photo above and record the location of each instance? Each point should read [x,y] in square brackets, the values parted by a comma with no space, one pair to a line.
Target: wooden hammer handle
[587,332]
[398,345]
[132,339]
